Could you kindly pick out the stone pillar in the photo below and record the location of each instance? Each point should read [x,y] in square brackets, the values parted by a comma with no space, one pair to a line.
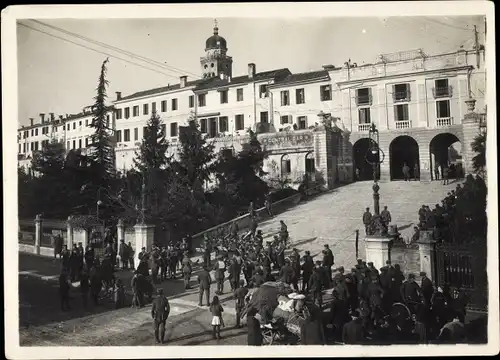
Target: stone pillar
[377,250]
[70,233]
[120,230]
[427,256]
[470,125]
[38,233]
[323,154]
[144,236]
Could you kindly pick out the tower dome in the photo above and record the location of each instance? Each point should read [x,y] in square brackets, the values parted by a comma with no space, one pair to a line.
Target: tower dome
[215,41]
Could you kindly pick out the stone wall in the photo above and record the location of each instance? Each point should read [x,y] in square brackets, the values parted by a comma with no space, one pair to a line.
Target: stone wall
[408,258]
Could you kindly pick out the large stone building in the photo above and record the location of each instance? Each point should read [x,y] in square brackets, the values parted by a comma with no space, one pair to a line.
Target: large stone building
[416,102]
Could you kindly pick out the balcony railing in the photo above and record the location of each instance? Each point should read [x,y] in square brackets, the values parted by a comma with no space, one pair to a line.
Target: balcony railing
[364,127]
[363,100]
[443,91]
[403,124]
[446,121]
[401,96]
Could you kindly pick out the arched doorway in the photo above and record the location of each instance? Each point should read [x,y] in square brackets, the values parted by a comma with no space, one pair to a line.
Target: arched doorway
[446,149]
[286,166]
[310,169]
[363,160]
[403,150]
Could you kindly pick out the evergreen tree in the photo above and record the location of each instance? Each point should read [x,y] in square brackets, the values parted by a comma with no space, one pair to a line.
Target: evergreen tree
[102,151]
[196,156]
[152,154]
[50,160]
[479,147]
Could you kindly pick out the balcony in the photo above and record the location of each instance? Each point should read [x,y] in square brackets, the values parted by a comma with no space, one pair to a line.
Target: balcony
[443,91]
[363,100]
[403,124]
[446,121]
[402,96]
[364,127]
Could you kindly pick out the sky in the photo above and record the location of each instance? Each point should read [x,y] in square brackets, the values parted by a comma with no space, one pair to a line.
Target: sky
[58,76]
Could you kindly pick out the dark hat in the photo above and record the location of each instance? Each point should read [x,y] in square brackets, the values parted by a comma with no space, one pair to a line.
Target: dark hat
[423,273]
[388,262]
[411,276]
[308,252]
[360,261]
[159,291]
[370,263]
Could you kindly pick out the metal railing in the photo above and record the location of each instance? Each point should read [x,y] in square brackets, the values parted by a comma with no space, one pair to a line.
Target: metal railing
[401,96]
[442,122]
[363,100]
[364,127]
[442,91]
[404,124]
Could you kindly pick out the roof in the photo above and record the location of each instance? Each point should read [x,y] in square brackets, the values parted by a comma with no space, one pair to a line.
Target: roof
[82,114]
[159,90]
[305,76]
[217,82]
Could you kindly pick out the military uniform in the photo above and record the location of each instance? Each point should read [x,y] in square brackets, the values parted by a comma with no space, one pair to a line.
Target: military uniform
[159,312]
[316,286]
[307,270]
[204,280]
[239,296]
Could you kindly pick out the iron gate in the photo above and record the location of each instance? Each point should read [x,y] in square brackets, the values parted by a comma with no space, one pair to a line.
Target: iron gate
[463,265]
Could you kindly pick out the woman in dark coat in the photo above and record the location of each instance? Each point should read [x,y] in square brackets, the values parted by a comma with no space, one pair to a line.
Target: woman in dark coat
[254,334]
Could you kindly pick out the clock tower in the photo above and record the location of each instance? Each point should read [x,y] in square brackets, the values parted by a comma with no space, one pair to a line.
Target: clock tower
[216,62]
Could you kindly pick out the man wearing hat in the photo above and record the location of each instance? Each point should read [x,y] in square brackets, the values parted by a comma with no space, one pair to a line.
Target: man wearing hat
[286,273]
[411,292]
[353,332]
[316,284]
[352,289]
[204,281]
[367,220]
[328,260]
[160,310]
[307,270]
[295,262]
[220,269]
[373,270]
[239,296]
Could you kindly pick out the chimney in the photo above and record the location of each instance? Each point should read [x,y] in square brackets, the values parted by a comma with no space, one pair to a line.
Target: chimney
[251,70]
[42,117]
[32,121]
[52,118]
[118,95]
[183,81]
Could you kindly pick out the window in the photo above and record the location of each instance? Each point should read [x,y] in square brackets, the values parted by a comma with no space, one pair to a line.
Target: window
[36,145]
[80,143]
[127,113]
[191,101]
[201,100]
[363,96]
[55,129]
[203,126]
[239,94]
[441,88]
[126,134]
[285,98]
[19,148]
[136,134]
[36,132]
[263,91]
[86,142]
[401,92]
[24,147]
[401,112]
[284,119]
[174,104]
[135,110]
[80,123]
[86,123]
[364,115]
[223,97]
[164,106]
[32,132]
[264,117]
[74,144]
[300,97]
[145,109]
[302,122]
[223,124]
[118,114]
[325,92]
[443,109]
[173,129]
[74,125]
[153,107]
[239,122]
[286,167]
[118,136]
[163,130]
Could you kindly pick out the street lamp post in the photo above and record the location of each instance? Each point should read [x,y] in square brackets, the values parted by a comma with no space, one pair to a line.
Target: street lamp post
[143,200]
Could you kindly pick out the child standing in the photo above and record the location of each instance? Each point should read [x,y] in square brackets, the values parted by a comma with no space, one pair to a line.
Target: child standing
[216,309]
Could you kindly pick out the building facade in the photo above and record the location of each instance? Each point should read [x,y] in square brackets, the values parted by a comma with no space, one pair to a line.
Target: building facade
[416,102]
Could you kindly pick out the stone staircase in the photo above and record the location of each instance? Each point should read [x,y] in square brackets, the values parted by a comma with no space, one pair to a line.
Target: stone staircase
[333,217]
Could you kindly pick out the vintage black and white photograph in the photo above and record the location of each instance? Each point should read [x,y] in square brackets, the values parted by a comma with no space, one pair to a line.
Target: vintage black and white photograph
[223,180]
